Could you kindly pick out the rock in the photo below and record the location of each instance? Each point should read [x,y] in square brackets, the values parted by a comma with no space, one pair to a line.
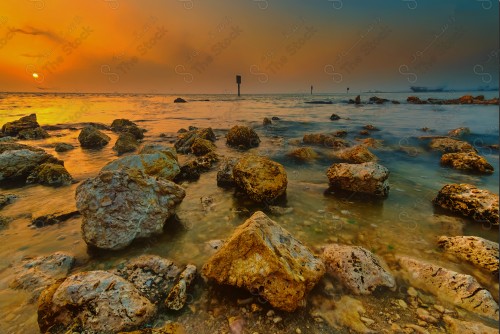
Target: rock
[262,179]
[275,118]
[24,123]
[179,100]
[159,163]
[303,154]
[125,143]
[364,132]
[415,100]
[395,102]
[35,274]
[6,199]
[466,199]
[94,302]
[36,133]
[170,328]
[448,145]
[120,206]
[50,174]
[344,313]
[242,137]
[63,147]
[90,137]
[4,222]
[186,139]
[202,146]
[460,132]
[370,127]
[126,126]
[480,252]
[356,155]
[53,219]
[266,121]
[319,102]
[356,268]
[225,173]
[368,178]
[469,161]
[456,326]
[378,100]
[340,134]
[325,140]
[334,117]
[264,258]
[466,99]
[192,170]
[357,100]
[449,286]
[177,296]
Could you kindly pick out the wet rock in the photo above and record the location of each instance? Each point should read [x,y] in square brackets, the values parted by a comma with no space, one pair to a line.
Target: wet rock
[279,210]
[334,117]
[202,146]
[160,162]
[264,258]
[368,178]
[449,286]
[125,143]
[460,132]
[177,296]
[4,222]
[480,252]
[242,137]
[36,133]
[63,147]
[120,206]
[357,100]
[35,274]
[185,140]
[415,100]
[126,126]
[364,132]
[325,140]
[24,123]
[53,218]
[266,121]
[378,100]
[356,155]
[449,145]
[50,174]
[192,170]
[275,118]
[94,302]
[340,134]
[90,137]
[466,199]
[262,179]
[356,268]
[455,326]
[6,199]
[468,161]
[370,127]
[179,100]
[170,328]
[303,154]
[225,173]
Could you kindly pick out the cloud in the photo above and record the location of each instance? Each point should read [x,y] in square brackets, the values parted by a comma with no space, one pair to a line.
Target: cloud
[39,32]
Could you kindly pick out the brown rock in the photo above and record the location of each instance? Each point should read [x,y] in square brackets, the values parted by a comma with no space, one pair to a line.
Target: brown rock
[125,143]
[456,326]
[242,137]
[469,161]
[356,155]
[460,132]
[369,178]
[202,146]
[24,123]
[90,137]
[448,145]
[303,154]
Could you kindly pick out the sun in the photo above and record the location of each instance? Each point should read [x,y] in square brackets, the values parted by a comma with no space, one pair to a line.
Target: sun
[35,75]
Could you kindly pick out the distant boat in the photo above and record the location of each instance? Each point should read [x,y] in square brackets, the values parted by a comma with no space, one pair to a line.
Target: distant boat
[422,89]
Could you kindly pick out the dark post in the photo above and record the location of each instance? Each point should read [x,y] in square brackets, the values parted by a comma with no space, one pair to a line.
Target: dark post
[312,89]
[238,81]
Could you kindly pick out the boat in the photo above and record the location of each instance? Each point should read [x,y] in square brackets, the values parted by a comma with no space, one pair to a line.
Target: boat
[422,89]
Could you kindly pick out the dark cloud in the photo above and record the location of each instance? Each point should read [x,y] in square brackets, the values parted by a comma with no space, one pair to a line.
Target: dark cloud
[39,32]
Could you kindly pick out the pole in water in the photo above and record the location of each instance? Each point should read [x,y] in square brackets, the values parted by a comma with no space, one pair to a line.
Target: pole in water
[347,90]
[238,81]
[312,89]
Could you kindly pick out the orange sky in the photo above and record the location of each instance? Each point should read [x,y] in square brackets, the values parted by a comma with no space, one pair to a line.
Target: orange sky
[184,46]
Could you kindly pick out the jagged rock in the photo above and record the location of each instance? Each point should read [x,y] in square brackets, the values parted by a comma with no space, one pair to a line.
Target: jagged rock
[186,139]
[456,326]
[6,199]
[177,296]
[24,123]
[120,206]
[368,178]
[460,132]
[266,121]
[170,328]
[63,147]
[448,145]
[242,137]
[264,258]
[303,154]
[35,274]
[94,302]
[126,126]
[334,117]
[356,268]
[192,170]
[262,179]
[480,252]
[54,218]
[36,133]
[179,100]
[449,286]
[225,173]
[202,146]
[125,143]
[469,161]
[90,137]
[325,140]
[50,174]
[466,199]
[356,155]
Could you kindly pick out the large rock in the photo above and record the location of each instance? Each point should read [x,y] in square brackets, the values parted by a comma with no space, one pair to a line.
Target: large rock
[466,199]
[449,286]
[242,137]
[262,179]
[161,162]
[456,326]
[93,302]
[368,178]
[225,173]
[126,143]
[264,258]
[120,206]
[50,174]
[357,268]
[449,145]
[186,139]
[469,161]
[356,155]
[63,147]
[90,137]
[480,252]
[36,133]
[126,126]
[202,146]
[24,123]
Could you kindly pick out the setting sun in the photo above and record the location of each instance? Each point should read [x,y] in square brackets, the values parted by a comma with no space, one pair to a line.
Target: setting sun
[35,75]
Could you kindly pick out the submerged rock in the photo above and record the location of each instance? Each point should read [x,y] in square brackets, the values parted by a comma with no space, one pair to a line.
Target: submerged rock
[50,174]
[262,179]
[125,143]
[448,145]
[460,132]
[53,218]
[120,206]
[325,140]
[186,139]
[90,137]
[449,286]
[456,326]
[36,133]
[368,178]
[357,154]
[192,170]
[264,258]
[202,146]
[480,252]
[63,147]
[179,100]
[334,117]
[242,137]
[378,100]
[225,173]
[94,302]
[303,154]
[24,123]
[266,121]
[356,268]
[6,199]
[469,161]
[466,199]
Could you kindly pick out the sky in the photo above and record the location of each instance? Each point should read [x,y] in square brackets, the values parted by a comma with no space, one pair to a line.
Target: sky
[277,46]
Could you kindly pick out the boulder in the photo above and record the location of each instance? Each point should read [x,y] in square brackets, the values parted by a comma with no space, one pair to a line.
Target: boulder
[63,147]
[36,133]
[6,199]
[266,121]
[468,161]
[469,201]
[325,140]
[262,179]
[186,139]
[90,137]
[449,286]
[367,178]
[24,123]
[242,137]
[334,117]
[179,100]
[266,259]
[480,252]
[93,302]
[50,174]
[303,154]
[455,326]
[356,268]
[126,126]
[460,132]
[192,170]
[225,173]
[202,146]
[120,206]
[125,143]
[356,155]
[449,145]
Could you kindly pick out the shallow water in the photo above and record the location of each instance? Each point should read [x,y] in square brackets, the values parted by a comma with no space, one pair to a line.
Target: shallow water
[404,223]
